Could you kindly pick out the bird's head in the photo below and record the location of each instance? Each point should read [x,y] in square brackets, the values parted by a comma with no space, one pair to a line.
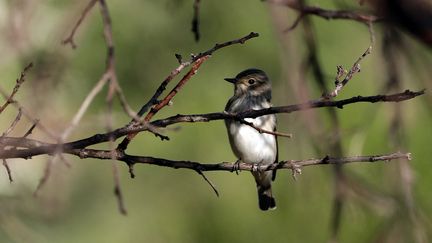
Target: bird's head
[251,81]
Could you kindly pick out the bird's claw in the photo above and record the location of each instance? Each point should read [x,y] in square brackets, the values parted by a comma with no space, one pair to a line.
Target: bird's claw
[255,167]
[236,167]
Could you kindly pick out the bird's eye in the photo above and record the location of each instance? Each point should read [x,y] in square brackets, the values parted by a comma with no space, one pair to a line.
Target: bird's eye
[251,81]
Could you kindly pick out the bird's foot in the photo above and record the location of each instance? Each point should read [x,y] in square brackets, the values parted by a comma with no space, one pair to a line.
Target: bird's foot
[255,167]
[236,167]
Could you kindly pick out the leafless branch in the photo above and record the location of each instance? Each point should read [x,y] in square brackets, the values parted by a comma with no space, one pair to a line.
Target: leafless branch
[201,57]
[70,38]
[19,81]
[46,174]
[260,130]
[14,123]
[354,69]
[324,13]
[223,166]
[117,190]
[195,20]
[8,170]
[9,100]
[39,147]
[349,75]
[209,182]
[154,99]
[31,129]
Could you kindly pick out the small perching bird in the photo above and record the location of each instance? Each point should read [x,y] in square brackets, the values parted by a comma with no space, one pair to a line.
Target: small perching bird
[252,91]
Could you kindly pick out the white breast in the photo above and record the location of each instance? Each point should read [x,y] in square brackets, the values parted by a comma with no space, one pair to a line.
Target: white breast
[252,146]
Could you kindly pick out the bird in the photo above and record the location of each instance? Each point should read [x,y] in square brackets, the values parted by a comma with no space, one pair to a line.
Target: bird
[253,91]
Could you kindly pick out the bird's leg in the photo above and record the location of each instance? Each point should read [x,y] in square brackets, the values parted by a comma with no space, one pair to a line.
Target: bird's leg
[236,167]
[256,167]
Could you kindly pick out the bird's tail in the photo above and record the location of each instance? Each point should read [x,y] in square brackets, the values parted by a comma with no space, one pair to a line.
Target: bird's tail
[266,200]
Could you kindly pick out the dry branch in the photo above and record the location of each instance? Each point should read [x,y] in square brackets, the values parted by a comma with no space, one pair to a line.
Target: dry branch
[195,20]
[339,84]
[201,57]
[14,123]
[327,14]
[19,81]
[33,147]
[8,170]
[70,38]
[30,148]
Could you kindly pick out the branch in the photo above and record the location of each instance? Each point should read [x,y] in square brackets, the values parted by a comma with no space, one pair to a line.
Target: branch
[34,147]
[325,13]
[14,123]
[19,81]
[398,97]
[39,148]
[8,170]
[229,166]
[70,38]
[154,99]
[349,75]
[195,20]
[196,60]
[120,132]
[176,89]
[260,130]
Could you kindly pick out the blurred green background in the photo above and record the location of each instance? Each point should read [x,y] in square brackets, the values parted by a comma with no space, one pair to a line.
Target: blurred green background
[165,205]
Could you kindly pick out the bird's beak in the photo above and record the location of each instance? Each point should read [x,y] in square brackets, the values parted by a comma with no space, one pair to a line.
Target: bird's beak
[231,80]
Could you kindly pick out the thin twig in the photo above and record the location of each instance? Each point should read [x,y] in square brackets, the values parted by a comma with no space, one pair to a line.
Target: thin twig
[117,191]
[209,182]
[46,174]
[260,130]
[70,38]
[8,170]
[25,112]
[19,81]
[123,145]
[84,106]
[154,99]
[354,69]
[14,123]
[326,13]
[195,20]
[31,129]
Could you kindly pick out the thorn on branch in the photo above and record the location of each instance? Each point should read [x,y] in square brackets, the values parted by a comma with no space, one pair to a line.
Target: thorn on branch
[131,169]
[162,137]
[325,160]
[179,58]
